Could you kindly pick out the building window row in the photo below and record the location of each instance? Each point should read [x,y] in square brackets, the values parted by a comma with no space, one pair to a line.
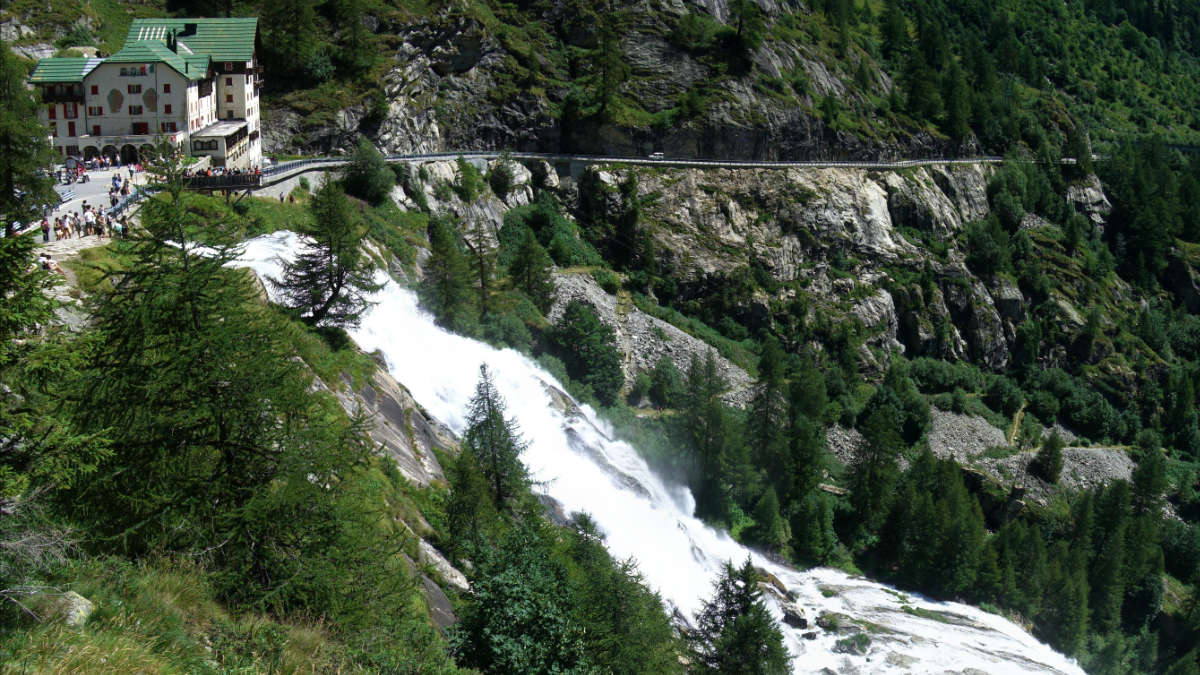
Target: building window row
[133,71]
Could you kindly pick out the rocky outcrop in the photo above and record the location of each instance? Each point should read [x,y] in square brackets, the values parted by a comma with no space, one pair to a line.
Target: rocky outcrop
[643,339]
[1089,199]
[398,426]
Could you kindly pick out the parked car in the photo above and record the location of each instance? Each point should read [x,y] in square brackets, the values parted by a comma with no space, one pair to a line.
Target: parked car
[656,155]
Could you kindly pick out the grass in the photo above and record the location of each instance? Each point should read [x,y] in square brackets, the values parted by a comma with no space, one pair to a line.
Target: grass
[160,616]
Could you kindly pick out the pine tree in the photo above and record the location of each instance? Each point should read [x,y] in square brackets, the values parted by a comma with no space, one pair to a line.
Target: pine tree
[328,282]
[446,289]
[36,445]
[469,504]
[218,444]
[1063,619]
[665,383]
[1048,462]
[25,187]
[587,347]
[957,97]
[734,631]
[770,529]
[368,175]
[530,271]
[893,30]
[495,442]
[708,428]
[873,470]
[767,423]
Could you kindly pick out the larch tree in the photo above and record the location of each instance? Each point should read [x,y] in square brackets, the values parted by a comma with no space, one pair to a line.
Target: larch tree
[329,281]
[495,441]
[218,446]
[529,271]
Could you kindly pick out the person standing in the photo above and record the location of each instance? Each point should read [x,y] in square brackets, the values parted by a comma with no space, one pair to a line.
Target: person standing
[45,230]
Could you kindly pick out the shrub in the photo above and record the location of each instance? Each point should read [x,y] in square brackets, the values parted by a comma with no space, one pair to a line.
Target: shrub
[608,280]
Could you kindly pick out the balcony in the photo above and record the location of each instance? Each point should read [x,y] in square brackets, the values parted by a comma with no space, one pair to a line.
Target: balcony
[65,97]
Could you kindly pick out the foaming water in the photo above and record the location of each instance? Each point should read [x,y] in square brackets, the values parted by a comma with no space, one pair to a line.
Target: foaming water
[574,457]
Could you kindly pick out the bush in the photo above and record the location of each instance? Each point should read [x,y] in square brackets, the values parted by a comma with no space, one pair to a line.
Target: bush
[640,389]
[608,280]
[368,176]
[666,383]
[500,178]
[468,181]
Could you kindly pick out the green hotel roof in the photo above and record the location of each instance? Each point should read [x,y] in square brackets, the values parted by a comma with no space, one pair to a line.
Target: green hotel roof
[191,66]
[67,69]
[222,39]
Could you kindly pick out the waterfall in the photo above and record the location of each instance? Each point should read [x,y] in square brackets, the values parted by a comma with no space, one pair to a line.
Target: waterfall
[573,455]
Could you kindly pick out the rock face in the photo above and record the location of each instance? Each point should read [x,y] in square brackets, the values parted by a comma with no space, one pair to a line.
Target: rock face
[399,428]
[642,339]
[455,83]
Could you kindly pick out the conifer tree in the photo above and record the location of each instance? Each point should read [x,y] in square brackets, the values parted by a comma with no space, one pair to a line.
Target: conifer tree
[25,187]
[665,383]
[494,441]
[446,290]
[709,429]
[768,424]
[1063,619]
[218,445]
[368,175]
[734,631]
[329,280]
[1048,462]
[468,505]
[36,445]
[530,271]
[770,529]
[873,470]
[587,347]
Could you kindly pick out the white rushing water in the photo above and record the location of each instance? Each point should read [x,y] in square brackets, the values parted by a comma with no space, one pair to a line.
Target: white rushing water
[586,470]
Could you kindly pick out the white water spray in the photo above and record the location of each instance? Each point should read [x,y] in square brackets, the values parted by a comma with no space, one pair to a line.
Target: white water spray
[585,470]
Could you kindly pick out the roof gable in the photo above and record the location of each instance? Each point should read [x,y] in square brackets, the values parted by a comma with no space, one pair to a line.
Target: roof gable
[222,39]
[149,51]
[68,69]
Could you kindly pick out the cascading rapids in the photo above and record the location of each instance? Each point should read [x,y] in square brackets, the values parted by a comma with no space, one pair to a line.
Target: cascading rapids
[573,454]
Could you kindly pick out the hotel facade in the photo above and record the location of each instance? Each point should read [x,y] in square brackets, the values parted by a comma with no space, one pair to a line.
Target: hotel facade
[192,82]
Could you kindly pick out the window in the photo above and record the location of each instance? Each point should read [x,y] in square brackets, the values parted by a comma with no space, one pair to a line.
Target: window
[133,88]
[95,90]
[229,98]
[70,110]
[169,126]
[228,80]
[54,128]
[53,111]
[228,114]
[95,129]
[141,128]
[135,110]
[228,65]
[95,111]
[167,109]
[166,88]
[70,128]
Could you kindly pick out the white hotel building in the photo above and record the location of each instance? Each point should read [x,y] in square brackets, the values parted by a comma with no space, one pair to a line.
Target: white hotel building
[193,82]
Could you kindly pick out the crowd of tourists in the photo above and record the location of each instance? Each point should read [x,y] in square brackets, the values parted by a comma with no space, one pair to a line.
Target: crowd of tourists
[86,223]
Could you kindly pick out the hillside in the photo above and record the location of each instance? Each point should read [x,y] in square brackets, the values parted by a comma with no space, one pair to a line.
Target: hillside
[717,79]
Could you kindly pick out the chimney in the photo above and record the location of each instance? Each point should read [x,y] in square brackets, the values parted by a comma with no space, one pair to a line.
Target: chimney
[171,41]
